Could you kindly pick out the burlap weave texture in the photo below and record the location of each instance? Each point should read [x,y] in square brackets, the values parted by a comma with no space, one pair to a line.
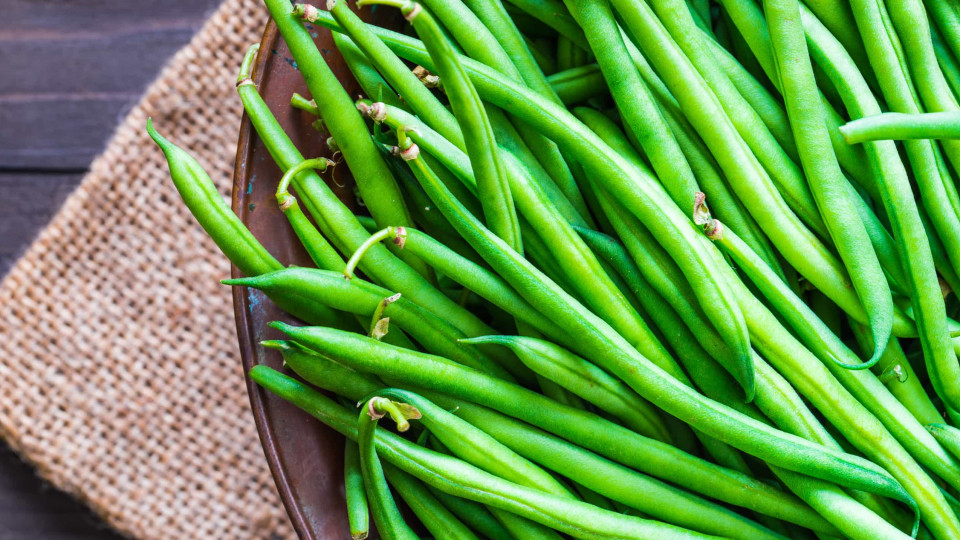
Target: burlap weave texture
[120,375]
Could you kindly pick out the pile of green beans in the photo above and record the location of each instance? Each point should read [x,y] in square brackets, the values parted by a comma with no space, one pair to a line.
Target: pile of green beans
[567,340]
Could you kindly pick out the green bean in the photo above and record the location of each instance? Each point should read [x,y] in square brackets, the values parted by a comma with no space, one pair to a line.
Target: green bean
[860,427]
[636,105]
[723,118]
[423,213]
[631,487]
[339,224]
[641,194]
[852,159]
[458,478]
[910,21]
[947,18]
[813,260]
[363,298]
[901,379]
[585,380]
[417,96]
[478,279]
[704,166]
[893,186]
[425,104]
[823,171]
[947,61]
[573,258]
[386,515]
[948,436]
[297,101]
[480,44]
[827,346]
[358,512]
[320,251]
[377,186]
[838,18]
[589,157]
[236,242]
[357,351]
[476,447]
[578,84]
[495,17]
[366,74]
[492,185]
[611,480]
[900,126]
[439,521]
[474,515]
[455,160]
[554,14]
[931,178]
[778,400]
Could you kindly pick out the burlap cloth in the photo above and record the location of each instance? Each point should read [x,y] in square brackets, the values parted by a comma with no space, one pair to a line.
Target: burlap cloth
[120,377]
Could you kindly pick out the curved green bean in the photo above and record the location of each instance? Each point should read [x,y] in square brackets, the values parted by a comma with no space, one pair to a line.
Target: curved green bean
[476,447]
[236,242]
[320,251]
[823,171]
[938,195]
[386,515]
[634,101]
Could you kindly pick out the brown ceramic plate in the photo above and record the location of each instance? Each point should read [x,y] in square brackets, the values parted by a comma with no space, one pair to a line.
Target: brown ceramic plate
[305,456]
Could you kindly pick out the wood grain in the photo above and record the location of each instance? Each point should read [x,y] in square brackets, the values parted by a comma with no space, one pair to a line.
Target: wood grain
[71,70]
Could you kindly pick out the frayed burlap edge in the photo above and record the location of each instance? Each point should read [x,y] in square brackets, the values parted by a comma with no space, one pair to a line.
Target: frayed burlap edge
[118,359]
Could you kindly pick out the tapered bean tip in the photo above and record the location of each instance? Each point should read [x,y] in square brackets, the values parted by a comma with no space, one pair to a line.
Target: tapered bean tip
[283,327]
[161,141]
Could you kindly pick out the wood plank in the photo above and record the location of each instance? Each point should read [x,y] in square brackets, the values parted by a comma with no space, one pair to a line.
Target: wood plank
[58,132]
[72,69]
[27,202]
[30,508]
[95,15]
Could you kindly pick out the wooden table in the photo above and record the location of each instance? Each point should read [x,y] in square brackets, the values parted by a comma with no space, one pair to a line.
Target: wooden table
[69,71]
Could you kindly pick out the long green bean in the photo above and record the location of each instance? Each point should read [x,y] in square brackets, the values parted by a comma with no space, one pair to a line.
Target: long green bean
[823,171]
[900,126]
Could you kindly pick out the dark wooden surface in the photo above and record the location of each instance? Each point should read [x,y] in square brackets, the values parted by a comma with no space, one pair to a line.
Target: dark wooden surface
[70,71]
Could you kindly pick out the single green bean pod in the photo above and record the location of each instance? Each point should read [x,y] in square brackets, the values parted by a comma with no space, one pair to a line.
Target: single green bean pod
[228,232]
[358,512]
